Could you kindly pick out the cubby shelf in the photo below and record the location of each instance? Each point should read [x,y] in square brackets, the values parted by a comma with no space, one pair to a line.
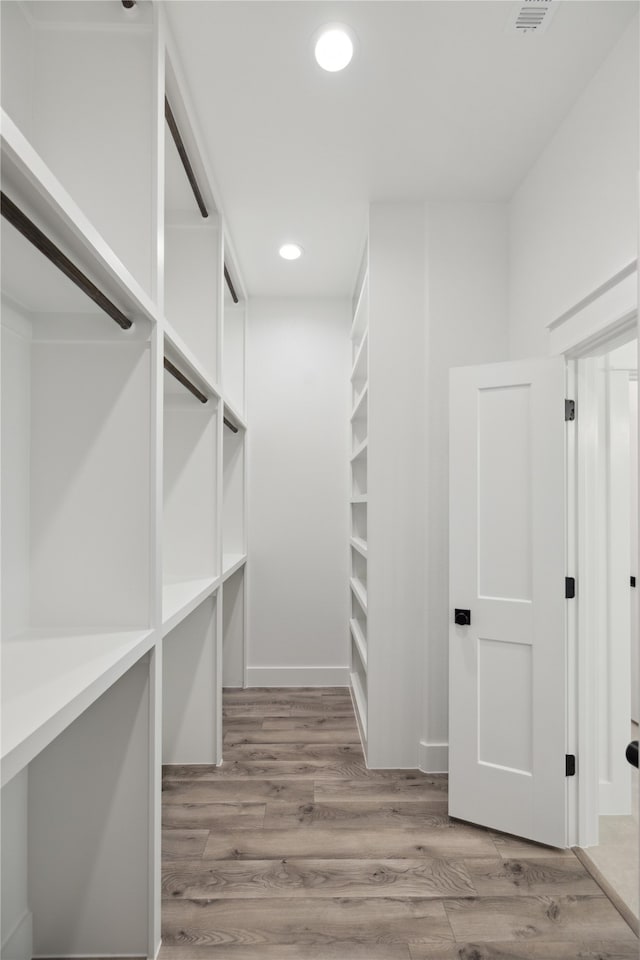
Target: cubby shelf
[181,597]
[360,451]
[26,176]
[361,499]
[359,369]
[359,592]
[361,315]
[231,562]
[178,350]
[361,399]
[234,416]
[360,701]
[359,641]
[360,545]
[50,677]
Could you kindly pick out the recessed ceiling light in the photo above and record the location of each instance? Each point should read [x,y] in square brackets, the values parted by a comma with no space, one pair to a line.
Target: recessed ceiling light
[290,251]
[334,48]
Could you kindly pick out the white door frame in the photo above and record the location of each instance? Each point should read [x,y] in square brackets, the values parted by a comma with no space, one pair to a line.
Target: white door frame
[608,317]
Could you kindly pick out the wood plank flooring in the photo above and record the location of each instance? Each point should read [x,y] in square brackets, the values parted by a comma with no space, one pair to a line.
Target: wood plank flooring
[293,850]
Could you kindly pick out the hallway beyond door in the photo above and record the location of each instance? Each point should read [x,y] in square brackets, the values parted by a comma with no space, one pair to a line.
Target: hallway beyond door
[293,850]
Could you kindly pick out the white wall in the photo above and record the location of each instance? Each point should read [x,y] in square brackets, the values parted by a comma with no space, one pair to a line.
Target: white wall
[467,284]
[573,220]
[298,410]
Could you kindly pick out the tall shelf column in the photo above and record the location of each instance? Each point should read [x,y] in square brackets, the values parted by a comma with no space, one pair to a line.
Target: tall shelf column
[388,486]
[358,542]
[122,497]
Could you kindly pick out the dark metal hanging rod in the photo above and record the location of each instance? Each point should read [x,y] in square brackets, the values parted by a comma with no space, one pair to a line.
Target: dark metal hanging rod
[128,4]
[173,370]
[186,163]
[232,291]
[35,236]
[231,425]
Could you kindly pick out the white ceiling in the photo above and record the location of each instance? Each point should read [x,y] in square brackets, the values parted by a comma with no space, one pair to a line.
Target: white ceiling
[440,100]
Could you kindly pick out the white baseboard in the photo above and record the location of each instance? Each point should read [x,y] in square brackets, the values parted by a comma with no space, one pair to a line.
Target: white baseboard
[297,676]
[19,943]
[433,757]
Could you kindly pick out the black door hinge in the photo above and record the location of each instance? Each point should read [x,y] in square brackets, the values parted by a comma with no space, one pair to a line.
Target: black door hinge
[632,581]
[569,588]
[569,409]
[570,765]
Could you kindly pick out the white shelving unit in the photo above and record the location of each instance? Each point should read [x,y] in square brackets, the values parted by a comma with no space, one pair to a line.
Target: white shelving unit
[234,495]
[358,544]
[386,554]
[123,492]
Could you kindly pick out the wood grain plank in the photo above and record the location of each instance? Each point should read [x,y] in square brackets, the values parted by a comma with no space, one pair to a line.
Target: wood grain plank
[344,950]
[358,816]
[287,735]
[290,707]
[303,921]
[321,842]
[315,878]
[233,791]
[582,950]
[251,694]
[213,816]
[294,751]
[512,848]
[305,724]
[181,844]
[269,769]
[531,918]
[382,790]
[540,876]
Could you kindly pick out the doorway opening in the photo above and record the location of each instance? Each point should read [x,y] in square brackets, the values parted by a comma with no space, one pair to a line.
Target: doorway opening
[608,617]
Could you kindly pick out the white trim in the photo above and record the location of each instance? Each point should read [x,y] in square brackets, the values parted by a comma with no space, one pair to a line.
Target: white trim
[608,314]
[433,757]
[298,676]
[19,943]
[604,319]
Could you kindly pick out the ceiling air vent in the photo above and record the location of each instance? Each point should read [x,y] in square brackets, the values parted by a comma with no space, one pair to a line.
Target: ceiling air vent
[532,16]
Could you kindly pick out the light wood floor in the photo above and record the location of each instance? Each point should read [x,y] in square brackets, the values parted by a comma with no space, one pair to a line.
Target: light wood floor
[293,850]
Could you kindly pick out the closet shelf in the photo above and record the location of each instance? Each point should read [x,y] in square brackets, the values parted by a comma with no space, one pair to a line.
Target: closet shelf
[358,371]
[360,545]
[232,562]
[361,313]
[361,705]
[362,398]
[234,416]
[363,498]
[49,677]
[181,597]
[177,350]
[359,592]
[359,640]
[360,450]
[28,179]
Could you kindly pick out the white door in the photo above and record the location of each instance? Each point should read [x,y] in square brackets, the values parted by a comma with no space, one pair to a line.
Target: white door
[507,568]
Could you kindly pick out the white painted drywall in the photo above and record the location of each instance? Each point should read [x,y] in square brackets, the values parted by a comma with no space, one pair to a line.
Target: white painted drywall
[573,220]
[467,283]
[298,411]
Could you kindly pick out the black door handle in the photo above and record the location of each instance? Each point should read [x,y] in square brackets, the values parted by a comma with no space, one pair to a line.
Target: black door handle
[462,617]
[632,753]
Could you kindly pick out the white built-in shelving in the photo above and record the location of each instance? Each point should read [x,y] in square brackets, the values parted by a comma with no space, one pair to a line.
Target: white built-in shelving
[358,544]
[123,484]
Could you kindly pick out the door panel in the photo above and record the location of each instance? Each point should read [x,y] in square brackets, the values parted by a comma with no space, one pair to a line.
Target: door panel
[507,555]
